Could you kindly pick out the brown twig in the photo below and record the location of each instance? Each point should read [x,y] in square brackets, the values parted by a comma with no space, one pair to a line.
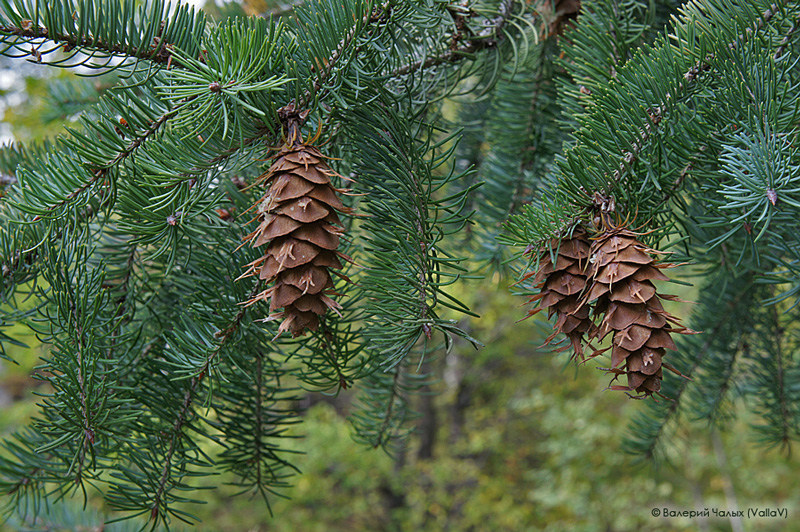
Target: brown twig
[24,481]
[29,256]
[325,70]
[655,114]
[786,39]
[486,39]
[158,51]
[102,173]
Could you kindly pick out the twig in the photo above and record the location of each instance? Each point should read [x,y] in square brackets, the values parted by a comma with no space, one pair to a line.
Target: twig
[727,378]
[177,427]
[27,257]
[655,114]
[326,340]
[158,52]
[785,41]
[24,481]
[390,409]
[88,431]
[259,425]
[485,39]
[519,185]
[786,416]
[326,69]
[101,173]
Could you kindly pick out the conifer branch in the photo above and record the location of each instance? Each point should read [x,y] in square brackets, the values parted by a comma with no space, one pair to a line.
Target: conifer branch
[88,431]
[380,436]
[519,182]
[125,283]
[102,173]
[728,372]
[424,272]
[126,180]
[122,301]
[28,257]
[152,36]
[158,52]
[24,481]
[486,39]
[259,422]
[785,415]
[655,114]
[677,185]
[370,17]
[177,427]
[20,259]
[332,353]
[230,152]
[177,434]
[787,39]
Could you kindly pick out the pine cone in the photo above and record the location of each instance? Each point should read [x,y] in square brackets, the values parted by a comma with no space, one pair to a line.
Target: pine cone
[300,228]
[561,285]
[622,272]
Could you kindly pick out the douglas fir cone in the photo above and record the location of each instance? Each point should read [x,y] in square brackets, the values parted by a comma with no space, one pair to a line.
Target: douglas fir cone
[299,226]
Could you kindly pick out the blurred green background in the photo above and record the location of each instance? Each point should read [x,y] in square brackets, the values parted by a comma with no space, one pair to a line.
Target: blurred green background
[510,438]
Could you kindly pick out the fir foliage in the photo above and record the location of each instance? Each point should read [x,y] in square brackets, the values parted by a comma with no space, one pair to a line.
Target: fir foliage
[690,137]
[97,34]
[120,238]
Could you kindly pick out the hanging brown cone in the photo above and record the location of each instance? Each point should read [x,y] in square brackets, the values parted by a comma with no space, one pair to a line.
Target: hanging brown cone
[622,272]
[561,285]
[298,224]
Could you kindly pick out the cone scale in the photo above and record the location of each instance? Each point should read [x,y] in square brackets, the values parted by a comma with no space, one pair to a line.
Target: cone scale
[299,230]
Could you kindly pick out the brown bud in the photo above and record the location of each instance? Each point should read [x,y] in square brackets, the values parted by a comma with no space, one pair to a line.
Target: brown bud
[772,196]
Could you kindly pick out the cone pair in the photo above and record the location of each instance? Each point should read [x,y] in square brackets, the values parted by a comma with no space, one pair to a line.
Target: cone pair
[300,230]
[613,274]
